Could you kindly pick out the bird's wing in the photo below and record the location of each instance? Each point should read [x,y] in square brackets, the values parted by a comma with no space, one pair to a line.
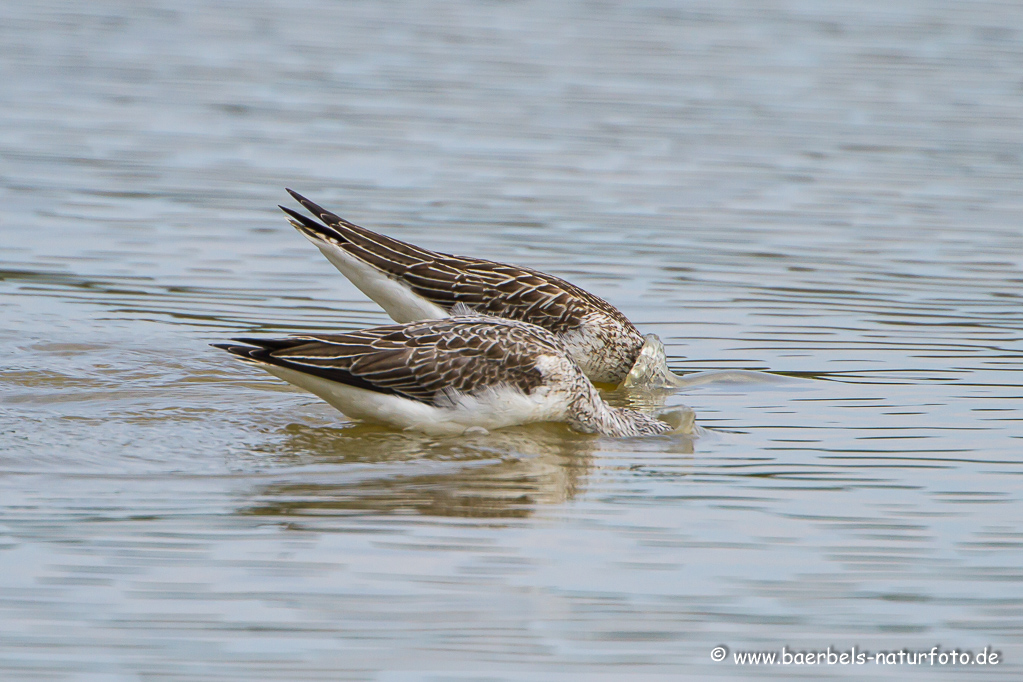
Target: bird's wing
[491,288]
[420,361]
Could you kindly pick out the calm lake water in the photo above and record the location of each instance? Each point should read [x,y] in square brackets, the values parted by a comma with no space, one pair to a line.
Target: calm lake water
[828,192]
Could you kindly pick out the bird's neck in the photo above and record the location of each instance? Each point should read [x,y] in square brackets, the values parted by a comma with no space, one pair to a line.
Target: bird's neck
[591,414]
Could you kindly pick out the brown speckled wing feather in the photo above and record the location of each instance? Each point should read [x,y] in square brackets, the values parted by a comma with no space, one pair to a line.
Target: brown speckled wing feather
[419,361]
[490,288]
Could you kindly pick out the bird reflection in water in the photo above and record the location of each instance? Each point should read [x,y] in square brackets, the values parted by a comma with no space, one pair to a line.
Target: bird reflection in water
[503,474]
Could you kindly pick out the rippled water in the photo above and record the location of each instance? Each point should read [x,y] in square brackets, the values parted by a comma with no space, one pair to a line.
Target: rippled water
[831,194]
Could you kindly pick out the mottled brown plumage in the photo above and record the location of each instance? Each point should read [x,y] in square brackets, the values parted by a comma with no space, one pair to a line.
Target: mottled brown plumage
[600,338]
[446,376]
[420,361]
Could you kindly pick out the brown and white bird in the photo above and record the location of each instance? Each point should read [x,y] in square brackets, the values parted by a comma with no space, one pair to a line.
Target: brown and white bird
[411,283]
[450,375]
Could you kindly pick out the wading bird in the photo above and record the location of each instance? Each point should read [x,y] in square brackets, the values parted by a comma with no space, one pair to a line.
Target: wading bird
[450,375]
[411,283]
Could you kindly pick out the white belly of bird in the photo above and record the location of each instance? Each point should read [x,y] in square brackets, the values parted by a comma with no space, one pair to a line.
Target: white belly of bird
[400,303]
[493,408]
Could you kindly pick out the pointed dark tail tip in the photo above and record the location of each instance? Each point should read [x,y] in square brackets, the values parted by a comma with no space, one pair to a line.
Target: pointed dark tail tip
[233,348]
